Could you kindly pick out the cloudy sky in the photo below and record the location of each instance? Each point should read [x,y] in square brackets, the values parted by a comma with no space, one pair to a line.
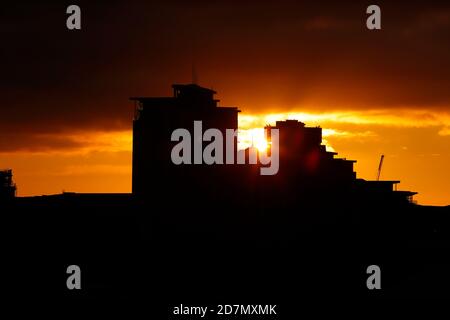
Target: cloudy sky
[65,115]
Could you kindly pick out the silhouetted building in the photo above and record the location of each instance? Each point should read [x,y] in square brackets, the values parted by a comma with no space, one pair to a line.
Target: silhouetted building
[306,169]
[302,154]
[7,186]
[384,190]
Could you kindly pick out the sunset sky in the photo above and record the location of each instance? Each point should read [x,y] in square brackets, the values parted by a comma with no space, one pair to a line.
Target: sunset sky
[65,121]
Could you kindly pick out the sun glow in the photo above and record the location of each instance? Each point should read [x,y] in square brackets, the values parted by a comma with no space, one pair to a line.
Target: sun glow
[254,137]
[99,161]
[261,144]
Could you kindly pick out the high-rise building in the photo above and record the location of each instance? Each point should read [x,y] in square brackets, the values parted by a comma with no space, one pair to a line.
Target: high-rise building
[155,120]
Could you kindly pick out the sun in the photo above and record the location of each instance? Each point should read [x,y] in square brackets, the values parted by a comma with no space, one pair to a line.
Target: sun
[254,137]
[260,143]
[258,139]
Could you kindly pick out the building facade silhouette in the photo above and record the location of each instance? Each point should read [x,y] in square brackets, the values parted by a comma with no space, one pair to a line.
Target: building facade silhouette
[154,121]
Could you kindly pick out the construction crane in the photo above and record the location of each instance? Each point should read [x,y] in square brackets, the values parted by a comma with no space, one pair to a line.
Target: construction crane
[379,167]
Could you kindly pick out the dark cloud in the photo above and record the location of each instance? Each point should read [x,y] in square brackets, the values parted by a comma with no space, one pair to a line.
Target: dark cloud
[31,142]
[257,54]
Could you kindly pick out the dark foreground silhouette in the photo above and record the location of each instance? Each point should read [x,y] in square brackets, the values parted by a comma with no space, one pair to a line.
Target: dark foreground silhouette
[207,234]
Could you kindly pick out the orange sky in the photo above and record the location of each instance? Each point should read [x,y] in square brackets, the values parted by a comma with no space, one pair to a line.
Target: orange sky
[416,146]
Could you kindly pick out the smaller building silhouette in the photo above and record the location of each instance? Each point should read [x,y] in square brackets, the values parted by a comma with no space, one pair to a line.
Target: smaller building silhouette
[303,154]
[7,186]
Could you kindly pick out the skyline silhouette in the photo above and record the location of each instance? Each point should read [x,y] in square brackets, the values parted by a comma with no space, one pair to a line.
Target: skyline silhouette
[303,156]
[65,110]
[192,102]
[187,227]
